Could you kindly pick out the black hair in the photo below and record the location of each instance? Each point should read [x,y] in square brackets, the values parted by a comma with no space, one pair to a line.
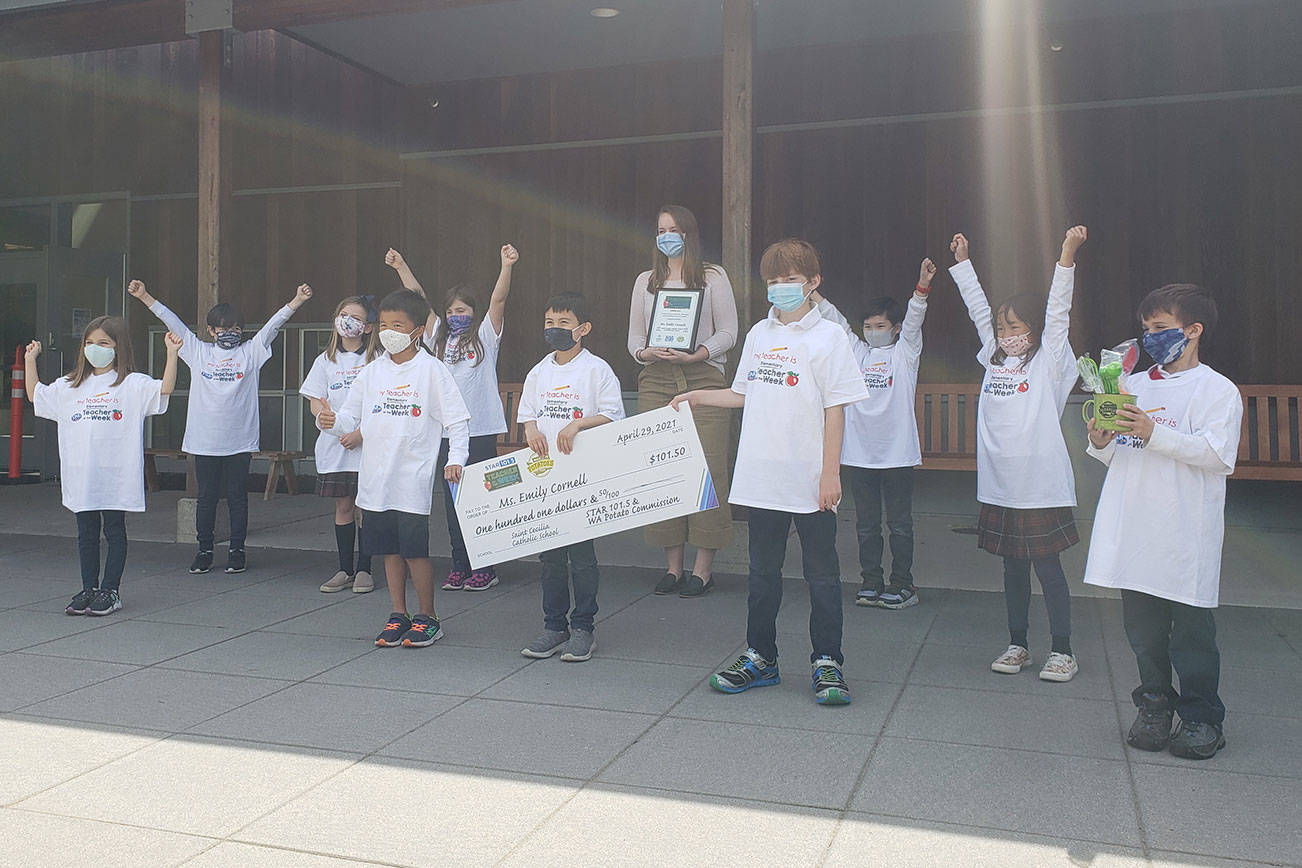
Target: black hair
[884,306]
[1029,307]
[225,316]
[409,302]
[1187,302]
[571,302]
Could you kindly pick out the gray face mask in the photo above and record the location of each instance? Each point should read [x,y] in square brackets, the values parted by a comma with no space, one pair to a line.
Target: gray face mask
[878,338]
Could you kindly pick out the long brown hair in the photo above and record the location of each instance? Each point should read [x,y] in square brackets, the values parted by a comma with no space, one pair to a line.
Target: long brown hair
[694,267]
[470,337]
[1029,308]
[123,359]
[370,342]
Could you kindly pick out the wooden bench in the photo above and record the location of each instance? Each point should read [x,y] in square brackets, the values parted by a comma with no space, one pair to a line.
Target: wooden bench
[151,465]
[1268,440]
[513,439]
[280,463]
[946,414]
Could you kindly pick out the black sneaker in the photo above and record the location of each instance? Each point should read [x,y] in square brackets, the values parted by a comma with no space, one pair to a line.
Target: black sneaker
[868,596]
[423,632]
[898,597]
[391,636]
[80,604]
[750,670]
[105,602]
[695,586]
[1197,741]
[202,563]
[1151,730]
[829,687]
[235,561]
[669,584]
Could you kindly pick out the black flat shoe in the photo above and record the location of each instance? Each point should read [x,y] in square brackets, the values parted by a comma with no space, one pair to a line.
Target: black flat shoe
[696,587]
[668,584]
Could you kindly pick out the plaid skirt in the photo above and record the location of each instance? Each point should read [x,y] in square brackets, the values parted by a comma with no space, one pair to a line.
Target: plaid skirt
[342,483]
[1028,534]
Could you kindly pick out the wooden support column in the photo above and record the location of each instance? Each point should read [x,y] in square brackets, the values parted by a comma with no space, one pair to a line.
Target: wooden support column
[738,148]
[214,170]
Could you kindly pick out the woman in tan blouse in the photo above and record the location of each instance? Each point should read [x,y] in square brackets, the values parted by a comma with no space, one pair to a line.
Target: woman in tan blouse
[677,264]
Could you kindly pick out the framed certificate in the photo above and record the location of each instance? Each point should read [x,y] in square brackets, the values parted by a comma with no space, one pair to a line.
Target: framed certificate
[675,317]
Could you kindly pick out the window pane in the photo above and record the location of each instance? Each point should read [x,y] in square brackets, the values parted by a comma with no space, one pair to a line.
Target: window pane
[272,429]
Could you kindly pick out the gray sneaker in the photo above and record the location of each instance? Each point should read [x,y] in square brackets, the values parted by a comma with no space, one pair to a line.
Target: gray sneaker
[579,648]
[546,644]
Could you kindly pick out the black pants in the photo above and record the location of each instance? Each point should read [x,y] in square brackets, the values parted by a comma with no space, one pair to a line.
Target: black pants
[1017,596]
[768,549]
[482,448]
[115,534]
[218,475]
[869,487]
[575,564]
[1165,634]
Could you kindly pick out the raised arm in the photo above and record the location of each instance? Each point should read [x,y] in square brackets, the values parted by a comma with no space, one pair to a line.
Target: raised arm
[502,289]
[30,378]
[1057,313]
[173,343]
[269,330]
[394,260]
[911,328]
[832,314]
[189,340]
[978,307]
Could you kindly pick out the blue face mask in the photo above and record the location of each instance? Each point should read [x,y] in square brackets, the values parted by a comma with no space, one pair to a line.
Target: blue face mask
[1165,346]
[670,244]
[787,296]
[458,323]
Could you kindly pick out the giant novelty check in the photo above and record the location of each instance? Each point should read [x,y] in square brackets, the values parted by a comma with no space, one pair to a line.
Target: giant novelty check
[620,476]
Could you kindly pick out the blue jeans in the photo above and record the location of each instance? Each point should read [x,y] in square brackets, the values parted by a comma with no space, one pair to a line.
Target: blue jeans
[1165,634]
[768,549]
[869,488]
[115,534]
[576,564]
[218,475]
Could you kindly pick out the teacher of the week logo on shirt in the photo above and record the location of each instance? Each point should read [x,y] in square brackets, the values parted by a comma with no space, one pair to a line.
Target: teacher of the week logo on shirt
[98,408]
[878,376]
[777,367]
[398,401]
[1005,382]
[560,403]
[1136,443]
[224,371]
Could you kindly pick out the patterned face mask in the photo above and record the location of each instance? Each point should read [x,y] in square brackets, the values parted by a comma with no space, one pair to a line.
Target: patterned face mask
[1015,346]
[349,326]
[1165,346]
[229,339]
[459,323]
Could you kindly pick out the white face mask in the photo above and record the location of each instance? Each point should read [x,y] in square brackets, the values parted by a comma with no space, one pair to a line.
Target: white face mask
[98,356]
[878,338]
[396,342]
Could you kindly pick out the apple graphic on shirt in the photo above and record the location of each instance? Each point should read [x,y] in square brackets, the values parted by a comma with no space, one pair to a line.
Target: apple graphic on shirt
[117,415]
[1023,386]
[792,378]
[470,356]
[415,410]
[578,413]
[239,375]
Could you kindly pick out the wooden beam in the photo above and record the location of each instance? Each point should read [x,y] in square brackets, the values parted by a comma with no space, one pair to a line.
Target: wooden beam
[95,26]
[278,14]
[214,171]
[738,147]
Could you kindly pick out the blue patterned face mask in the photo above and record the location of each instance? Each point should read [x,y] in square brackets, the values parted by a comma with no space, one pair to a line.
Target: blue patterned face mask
[459,323]
[670,244]
[1165,346]
[228,339]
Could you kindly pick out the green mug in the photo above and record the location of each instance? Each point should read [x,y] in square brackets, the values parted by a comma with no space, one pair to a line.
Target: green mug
[1105,410]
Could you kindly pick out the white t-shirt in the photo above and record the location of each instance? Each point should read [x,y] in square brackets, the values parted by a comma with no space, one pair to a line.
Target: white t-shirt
[102,437]
[221,417]
[404,411]
[882,432]
[555,395]
[476,377]
[790,374]
[1161,517]
[1022,459]
[332,381]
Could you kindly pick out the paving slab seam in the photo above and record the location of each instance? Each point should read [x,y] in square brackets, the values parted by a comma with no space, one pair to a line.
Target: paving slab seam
[877,740]
[656,721]
[1144,846]
[20,708]
[163,736]
[349,860]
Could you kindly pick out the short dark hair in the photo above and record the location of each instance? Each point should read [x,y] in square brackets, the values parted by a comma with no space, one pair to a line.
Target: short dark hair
[225,316]
[1187,302]
[408,302]
[885,306]
[571,302]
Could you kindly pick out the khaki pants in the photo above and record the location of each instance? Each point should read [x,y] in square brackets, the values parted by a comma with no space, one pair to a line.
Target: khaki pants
[656,385]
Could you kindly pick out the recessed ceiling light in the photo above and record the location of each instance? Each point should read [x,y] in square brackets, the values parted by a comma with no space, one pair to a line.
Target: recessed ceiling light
[1055,46]
[434,103]
[604,12]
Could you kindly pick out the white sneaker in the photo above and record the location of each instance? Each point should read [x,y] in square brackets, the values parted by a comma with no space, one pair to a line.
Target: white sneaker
[336,583]
[363,583]
[1059,667]
[1012,661]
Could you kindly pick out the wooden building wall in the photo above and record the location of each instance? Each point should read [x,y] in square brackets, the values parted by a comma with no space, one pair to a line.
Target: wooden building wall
[875,152]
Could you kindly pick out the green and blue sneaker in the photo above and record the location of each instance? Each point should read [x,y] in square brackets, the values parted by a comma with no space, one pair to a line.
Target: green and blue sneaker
[750,670]
[829,686]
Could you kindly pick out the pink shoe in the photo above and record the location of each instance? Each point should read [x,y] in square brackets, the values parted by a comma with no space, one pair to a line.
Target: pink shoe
[455,581]
[481,580]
